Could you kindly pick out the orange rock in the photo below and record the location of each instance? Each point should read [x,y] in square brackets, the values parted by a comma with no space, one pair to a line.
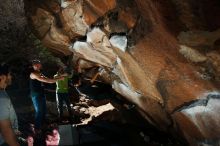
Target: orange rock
[71,17]
[93,9]
[167,89]
[129,17]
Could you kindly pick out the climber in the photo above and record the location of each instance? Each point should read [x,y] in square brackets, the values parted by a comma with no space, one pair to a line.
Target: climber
[37,92]
[62,93]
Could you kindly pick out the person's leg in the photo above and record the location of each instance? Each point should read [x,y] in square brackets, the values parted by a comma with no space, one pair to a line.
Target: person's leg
[58,107]
[39,102]
[67,101]
[36,103]
[44,109]
[59,99]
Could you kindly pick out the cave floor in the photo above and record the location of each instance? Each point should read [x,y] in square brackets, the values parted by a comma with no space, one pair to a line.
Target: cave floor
[102,131]
[102,123]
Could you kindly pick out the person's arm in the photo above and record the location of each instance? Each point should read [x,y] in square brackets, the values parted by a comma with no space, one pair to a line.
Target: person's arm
[100,71]
[60,76]
[8,133]
[44,79]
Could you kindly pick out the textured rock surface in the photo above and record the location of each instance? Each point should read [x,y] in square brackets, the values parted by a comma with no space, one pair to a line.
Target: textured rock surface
[172,46]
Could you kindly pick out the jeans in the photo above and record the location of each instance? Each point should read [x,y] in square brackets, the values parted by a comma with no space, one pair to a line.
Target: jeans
[61,98]
[39,102]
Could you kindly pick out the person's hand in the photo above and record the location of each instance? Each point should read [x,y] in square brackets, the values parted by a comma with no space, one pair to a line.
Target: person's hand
[18,133]
[77,84]
[61,78]
[64,75]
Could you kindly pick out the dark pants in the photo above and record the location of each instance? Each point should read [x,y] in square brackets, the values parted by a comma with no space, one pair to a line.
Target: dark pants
[39,102]
[61,98]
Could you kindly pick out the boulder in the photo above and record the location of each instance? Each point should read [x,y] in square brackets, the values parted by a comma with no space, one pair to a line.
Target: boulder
[152,52]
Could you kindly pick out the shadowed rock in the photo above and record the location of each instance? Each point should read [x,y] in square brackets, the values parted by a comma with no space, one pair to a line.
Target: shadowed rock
[151,70]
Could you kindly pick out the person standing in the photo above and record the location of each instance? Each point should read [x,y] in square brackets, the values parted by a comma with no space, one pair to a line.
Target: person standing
[8,118]
[37,92]
[62,93]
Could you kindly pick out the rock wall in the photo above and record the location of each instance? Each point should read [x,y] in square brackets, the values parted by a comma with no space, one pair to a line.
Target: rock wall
[161,55]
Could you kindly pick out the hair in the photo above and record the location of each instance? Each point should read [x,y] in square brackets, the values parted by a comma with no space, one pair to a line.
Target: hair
[4,69]
[35,62]
[61,70]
